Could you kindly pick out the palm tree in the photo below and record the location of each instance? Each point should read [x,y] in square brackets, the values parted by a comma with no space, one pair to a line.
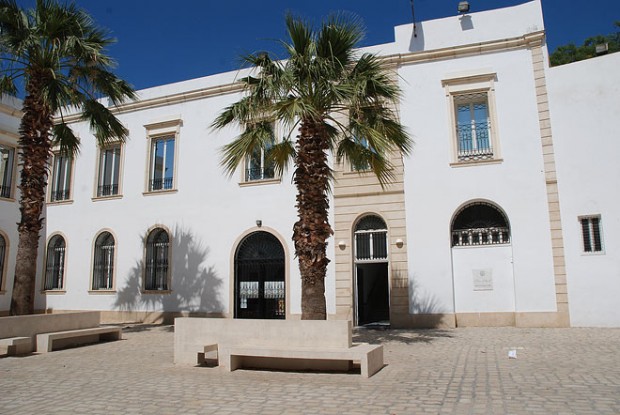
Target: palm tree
[335,101]
[55,55]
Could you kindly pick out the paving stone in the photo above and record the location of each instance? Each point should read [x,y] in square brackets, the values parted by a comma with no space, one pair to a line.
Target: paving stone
[557,371]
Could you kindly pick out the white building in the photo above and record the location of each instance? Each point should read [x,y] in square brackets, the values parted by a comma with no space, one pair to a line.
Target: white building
[504,213]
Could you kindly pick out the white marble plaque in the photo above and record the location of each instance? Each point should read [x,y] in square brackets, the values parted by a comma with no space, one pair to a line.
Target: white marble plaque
[483,279]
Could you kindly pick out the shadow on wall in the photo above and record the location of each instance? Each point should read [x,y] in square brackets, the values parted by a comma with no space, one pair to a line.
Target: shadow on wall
[425,308]
[195,286]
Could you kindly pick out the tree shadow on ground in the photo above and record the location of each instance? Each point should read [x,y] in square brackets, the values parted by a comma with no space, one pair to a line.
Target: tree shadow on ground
[387,335]
[194,285]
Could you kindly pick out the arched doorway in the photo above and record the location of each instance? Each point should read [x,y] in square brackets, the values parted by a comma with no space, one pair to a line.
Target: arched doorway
[482,261]
[260,277]
[372,288]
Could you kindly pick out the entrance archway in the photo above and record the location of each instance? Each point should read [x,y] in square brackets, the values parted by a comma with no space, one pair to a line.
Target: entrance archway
[372,288]
[260,277]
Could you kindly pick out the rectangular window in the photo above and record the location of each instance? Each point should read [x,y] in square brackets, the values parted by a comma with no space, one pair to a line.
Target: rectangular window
[591,232]
[162,163]
[474,133]
[61,177]
[473,127]
[109,169]
[7,156]
[258,166]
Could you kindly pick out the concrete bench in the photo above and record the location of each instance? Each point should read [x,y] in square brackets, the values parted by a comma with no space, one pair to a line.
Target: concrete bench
[274,344]
[17,345]
[368,356]
[47,341]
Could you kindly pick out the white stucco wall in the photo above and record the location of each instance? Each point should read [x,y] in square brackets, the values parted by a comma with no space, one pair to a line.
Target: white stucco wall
[9,210]
[435,190]
[206,216]
[585,119]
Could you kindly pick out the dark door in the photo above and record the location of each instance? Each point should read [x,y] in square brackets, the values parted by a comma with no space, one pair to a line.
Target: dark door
[259,278]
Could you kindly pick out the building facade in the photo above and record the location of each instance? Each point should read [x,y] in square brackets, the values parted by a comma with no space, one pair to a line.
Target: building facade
[503,214]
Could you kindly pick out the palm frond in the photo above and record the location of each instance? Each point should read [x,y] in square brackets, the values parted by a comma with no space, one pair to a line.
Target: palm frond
[105,126]
[65,138]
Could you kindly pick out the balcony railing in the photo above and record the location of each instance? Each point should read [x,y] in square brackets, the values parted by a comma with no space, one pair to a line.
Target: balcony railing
[480,236]
[5,191]
[58,195]
[107,190]
[161,184]
[259,174]
[474,141]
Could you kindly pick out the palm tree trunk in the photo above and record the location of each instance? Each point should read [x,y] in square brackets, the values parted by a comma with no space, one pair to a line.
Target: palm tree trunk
[34,147]
[311,231]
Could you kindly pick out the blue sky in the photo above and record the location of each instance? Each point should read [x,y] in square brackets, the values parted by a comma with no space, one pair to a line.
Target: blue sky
[161,42]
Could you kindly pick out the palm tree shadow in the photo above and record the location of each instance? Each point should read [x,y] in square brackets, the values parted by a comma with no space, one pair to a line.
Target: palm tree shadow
[381,336]
[194,287]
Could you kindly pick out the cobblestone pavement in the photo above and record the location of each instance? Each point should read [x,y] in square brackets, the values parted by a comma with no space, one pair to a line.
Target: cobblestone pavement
[459,371]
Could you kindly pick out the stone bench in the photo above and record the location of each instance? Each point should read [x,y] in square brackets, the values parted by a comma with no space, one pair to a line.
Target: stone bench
[47,341]
[274,344]
[368,356]
[17,345]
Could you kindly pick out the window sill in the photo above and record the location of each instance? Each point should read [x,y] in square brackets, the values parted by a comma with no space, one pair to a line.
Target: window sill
[159,192]
[594,253]
[358,172]
[54,292]
[7,199]
[60,202]
[260,182]
[2,292]
[101,292]
[475,162]
[111,197]
[156,291]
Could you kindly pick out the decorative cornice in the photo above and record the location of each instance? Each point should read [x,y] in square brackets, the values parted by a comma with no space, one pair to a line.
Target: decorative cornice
[528,40]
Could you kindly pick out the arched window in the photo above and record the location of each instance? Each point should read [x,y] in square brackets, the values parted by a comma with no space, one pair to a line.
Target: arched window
[480,224]
[157,250]
[55,263]
[2,257]
[371,239]
[103,262]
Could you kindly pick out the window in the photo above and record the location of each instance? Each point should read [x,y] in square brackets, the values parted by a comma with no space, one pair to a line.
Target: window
[479,224]
[591,232]
[472,111]
[7,156]
[363,165]
[163,137]
[157,269]
[103,262]
[109,171]
[61,177]
[371,239]
[55,263]
[473,127]
[162,163]
[258,166]
[2,259]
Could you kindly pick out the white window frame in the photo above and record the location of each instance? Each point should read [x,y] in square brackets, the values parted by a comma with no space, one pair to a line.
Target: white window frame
[168,128]
[482,84]
[589,233]
[117,171]
[66,180]
[245,176]
[7,171]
